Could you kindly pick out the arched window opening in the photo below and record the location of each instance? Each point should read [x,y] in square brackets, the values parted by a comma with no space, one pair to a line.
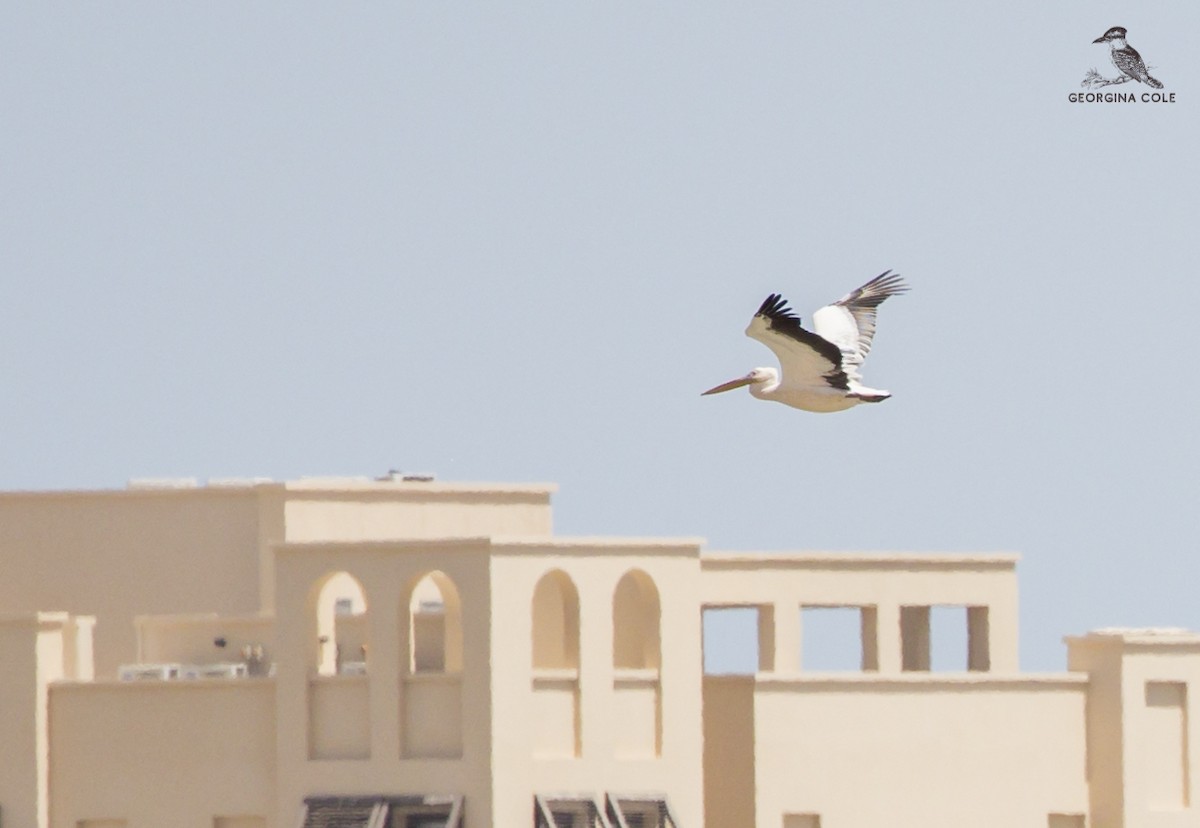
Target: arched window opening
[435,626]
[636,623]
[341,622]
[555,623]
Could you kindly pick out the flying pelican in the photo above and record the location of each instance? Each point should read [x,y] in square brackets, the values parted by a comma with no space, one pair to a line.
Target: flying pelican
[821,371]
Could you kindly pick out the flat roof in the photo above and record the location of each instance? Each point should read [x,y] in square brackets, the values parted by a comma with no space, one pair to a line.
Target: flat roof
[1139,637]
[858,560]
[359,484]
[507,544]
[816,682]
[185,486]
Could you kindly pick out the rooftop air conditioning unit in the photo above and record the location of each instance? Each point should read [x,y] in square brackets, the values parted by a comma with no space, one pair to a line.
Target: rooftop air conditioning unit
[354,668]
[149,672]
[163,483]
[231,669]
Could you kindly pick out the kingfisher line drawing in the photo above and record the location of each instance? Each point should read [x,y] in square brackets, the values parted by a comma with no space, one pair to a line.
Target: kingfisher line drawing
[1127,60]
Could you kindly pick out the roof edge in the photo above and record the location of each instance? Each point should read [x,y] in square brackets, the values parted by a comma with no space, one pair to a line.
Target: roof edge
[816,560]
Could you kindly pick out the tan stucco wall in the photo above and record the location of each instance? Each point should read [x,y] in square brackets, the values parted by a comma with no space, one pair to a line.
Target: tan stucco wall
[1142,740]
[1159,742]
[1105,725]
[615,707]
[207,549]
[729,759]
[162,753]
[372,513]
[19,777]
[189,639]
[120,554]
[922,751]
[388,573]
[36,649]
[886,582]
[452,702]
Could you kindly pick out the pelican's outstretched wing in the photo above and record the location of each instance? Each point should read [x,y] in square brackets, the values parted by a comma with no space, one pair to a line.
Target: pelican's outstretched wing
[805,359]
[849,323]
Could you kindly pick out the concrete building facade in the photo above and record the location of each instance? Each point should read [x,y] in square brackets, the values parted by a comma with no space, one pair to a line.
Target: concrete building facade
[400,653]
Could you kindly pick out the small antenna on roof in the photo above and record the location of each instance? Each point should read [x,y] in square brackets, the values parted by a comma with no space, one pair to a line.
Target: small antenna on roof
[395,475]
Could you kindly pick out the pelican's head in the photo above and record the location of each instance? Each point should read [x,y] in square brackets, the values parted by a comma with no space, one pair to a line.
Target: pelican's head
[759,376]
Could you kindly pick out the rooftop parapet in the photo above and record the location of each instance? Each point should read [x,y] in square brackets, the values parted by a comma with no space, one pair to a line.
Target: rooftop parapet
[1137,637]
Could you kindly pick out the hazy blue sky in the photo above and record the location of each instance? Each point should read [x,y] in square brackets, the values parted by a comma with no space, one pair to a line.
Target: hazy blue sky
[516,241]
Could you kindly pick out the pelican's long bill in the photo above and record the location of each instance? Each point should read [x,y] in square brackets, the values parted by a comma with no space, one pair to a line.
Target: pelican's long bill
[729,386]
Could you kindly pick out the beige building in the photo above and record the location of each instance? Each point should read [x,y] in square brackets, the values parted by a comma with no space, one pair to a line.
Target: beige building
[403,653]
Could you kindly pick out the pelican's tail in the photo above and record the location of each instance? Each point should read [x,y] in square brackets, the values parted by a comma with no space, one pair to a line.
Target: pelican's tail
[869,395]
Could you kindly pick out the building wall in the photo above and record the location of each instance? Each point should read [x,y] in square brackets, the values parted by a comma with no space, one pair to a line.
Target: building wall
[636,724]
[729,757]
[397,731]
[177,753]
[1161,725]
[36,649]
[1143,725]
[190,639]
[501,663]
[208,549]
[19,719]
[1105,726]
[884,584]
[921,751]
[384,512]
[115,555]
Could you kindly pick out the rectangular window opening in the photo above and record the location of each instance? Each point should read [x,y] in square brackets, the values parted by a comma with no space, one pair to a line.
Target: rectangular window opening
[639,812]
[731,640]
[945,638]
[404,811]
[1065,821]
[801,821]
[1165,752]
[914,639]
[948,639]
[418,818]
[838,638]
[566,813]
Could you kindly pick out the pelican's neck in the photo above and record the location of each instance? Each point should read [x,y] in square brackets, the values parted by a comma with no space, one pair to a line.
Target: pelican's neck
[765,389]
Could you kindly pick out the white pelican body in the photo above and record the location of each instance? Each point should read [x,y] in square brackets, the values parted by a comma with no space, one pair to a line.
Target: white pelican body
[821,370]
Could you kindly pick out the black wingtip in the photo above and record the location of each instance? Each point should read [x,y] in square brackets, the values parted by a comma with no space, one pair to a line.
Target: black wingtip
[888,284]
[872,294]
[776,307]
[782,319]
